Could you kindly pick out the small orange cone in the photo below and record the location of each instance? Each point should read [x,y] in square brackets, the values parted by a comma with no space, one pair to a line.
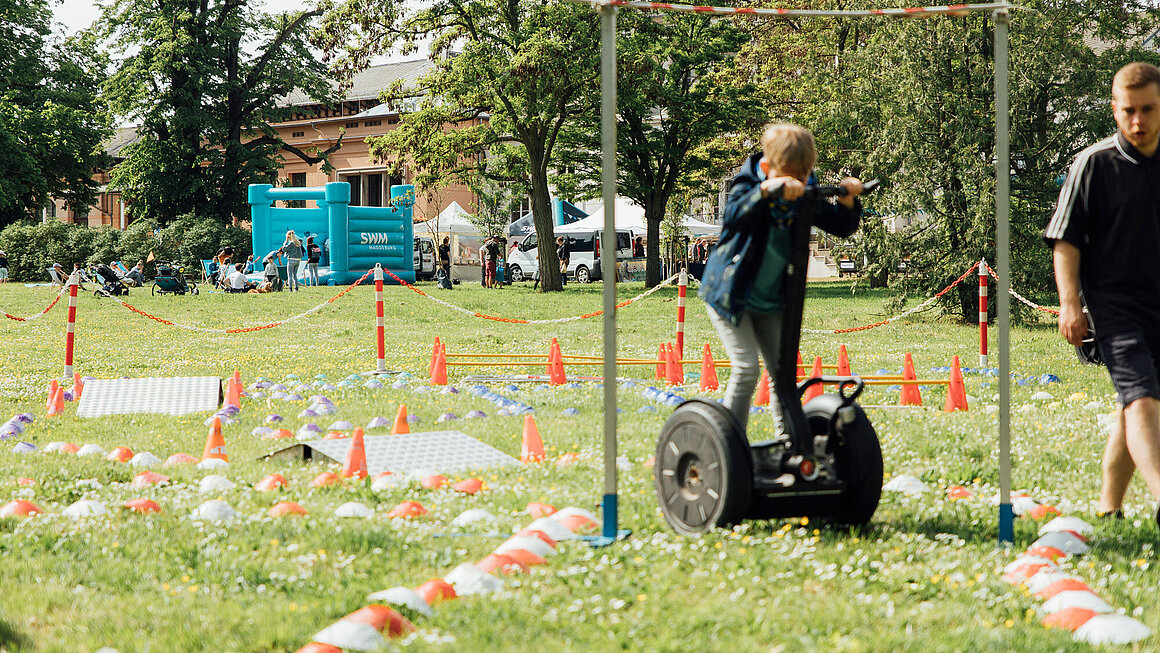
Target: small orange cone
[675,372]
[662,363]
[556,375]
[215,444]
[762,396]
[57,408]
[843,361]
[78,386]
[439,370]
[532,449]
[815,389]
[53,386]
[910,395]
[708,371]
[233,393]
[356,456]
[434,354]
[401,426]
[801,373]
[238,379]
[956,392]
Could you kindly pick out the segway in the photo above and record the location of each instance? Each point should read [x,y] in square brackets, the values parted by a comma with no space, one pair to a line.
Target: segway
[828,465]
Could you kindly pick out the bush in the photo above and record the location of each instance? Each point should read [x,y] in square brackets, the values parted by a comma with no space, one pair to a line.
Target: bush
[31,248]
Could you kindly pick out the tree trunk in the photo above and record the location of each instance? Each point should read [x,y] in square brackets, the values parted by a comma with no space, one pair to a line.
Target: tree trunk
[545,228]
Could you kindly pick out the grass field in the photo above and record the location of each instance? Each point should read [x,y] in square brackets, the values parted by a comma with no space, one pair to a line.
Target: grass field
[923,577]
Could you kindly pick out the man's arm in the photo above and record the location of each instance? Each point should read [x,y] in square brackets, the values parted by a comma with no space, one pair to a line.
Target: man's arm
[1073,325]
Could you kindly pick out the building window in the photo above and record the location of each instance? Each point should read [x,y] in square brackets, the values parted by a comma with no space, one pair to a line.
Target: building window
[297,134]
[352,125]
[393,120]
[521,209]
[372,123]
[374,190]
[297,180]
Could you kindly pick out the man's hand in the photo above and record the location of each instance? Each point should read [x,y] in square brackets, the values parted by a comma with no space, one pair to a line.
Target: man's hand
[1073,324]
[791,187]
[853,188]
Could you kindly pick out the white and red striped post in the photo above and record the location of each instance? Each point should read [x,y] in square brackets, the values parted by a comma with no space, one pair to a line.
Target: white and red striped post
[682,288]
[983,313]
[380,327]
[70,332]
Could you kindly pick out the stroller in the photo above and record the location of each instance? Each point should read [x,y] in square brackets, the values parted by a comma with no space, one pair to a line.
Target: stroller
[111,283]
[171,279]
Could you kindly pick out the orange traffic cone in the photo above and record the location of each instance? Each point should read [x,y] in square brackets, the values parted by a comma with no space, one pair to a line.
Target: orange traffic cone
[439,370]
[233,393]
[708,371]
[843,361]
[662,363]
[56,406]
[215,444]
[532,449]
[556,374]
[675,374]
[762,397]
[53,386]
[551,359]
[401,425]
[910,395]
[78,386]
[956,392]
[356,456]
[434,354]
[815,389]
[801,372]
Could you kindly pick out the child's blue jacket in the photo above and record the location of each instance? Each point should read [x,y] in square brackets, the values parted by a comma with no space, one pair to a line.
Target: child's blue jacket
[732,267]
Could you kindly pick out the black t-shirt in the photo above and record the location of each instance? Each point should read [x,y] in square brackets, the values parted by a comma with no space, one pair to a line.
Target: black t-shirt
[3,261]
[445,253]
[1109,208]
[563,251]
[313,253]
[492,251]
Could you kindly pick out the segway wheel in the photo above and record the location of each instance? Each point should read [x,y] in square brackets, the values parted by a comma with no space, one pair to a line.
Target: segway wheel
[156,290]
[193,288]
[857,459]
[702,471]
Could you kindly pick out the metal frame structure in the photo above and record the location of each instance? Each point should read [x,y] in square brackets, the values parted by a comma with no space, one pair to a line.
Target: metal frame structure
[608,10]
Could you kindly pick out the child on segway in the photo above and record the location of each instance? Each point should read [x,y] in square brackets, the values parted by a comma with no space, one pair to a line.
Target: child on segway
[744,275]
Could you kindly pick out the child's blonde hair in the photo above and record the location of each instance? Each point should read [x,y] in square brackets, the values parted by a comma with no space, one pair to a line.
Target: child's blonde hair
[789,148]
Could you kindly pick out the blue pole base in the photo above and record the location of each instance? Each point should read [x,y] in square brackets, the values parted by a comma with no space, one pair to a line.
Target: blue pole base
[609,532]
[1006,523]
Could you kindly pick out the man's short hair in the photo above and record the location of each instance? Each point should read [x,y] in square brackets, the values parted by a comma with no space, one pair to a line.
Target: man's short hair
[238,267]
[789,148]
[1137,74]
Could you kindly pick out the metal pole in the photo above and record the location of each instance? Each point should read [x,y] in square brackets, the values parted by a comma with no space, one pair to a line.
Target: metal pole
[608,260]
[1003,253]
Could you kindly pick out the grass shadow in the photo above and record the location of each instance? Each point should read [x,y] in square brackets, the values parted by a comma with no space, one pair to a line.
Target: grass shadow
[12,639]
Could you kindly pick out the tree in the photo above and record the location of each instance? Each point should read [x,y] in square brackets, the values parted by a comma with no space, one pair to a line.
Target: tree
[206,80]
[679,101]
[51,125]
[522,70]
[913,101]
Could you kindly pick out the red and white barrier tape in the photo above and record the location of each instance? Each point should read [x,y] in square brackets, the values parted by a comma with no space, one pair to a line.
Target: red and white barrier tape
[923,306]
[190,327]
[512,320]
[909,12]
[1045,309]
[48,308]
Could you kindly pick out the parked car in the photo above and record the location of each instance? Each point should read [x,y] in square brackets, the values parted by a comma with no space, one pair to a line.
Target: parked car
[583,263]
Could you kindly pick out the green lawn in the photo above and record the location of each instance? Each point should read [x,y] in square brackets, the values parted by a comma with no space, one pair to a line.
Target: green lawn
[924,577]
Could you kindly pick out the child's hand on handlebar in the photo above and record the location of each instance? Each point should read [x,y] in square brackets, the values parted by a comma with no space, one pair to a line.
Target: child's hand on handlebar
[853,188]
[791,187]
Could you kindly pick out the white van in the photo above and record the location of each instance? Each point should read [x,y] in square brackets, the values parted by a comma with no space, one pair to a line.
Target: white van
[583,264]
[424,258]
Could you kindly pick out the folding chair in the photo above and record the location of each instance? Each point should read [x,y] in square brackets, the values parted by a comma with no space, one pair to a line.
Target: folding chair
[56,280]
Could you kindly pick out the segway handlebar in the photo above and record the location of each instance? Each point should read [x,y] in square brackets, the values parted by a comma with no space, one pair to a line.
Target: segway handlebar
[832,190]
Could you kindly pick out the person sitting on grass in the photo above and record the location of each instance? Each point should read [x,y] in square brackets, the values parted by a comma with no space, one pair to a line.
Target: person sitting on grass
[744,278]
[237,282]
[136,276]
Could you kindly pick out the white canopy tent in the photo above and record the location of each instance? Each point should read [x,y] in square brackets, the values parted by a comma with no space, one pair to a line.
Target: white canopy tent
[453,220]
[630,215]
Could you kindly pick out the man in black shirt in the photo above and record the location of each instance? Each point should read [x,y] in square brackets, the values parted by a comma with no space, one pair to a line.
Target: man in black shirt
[1105,235]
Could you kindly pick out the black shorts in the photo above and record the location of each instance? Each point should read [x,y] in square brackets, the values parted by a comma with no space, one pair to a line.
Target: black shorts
[1133,361]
